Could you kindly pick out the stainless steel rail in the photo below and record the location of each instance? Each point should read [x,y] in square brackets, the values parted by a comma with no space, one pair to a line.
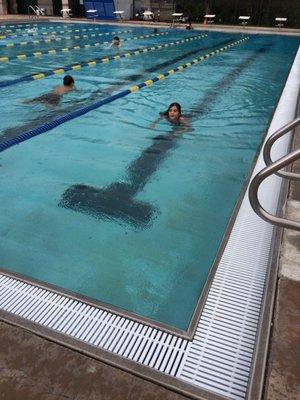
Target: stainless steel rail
[259,178]
[31,8]
[37,11]
[272,139]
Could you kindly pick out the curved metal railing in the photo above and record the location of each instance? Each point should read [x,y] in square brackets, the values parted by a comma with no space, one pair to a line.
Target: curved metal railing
[31,8]
[37,11]
[259,178]
[272,139]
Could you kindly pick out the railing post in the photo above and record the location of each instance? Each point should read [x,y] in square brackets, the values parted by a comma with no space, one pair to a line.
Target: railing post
[256,182]
[272,139]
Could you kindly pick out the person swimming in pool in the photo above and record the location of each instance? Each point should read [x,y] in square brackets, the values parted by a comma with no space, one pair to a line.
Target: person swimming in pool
[53,98]
[116,42]
[174,115]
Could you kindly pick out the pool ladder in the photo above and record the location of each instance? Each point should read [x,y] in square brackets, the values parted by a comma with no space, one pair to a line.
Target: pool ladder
[275,168]
[37,11]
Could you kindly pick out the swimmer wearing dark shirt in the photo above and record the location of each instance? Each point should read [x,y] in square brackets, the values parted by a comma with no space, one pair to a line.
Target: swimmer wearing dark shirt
[53,98]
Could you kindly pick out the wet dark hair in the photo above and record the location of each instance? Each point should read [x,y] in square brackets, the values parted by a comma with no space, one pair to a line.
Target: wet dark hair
[177,105]
[116,38]
[68,80]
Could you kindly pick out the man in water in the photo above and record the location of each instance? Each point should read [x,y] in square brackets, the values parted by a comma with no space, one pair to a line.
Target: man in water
[53,98]
[115,42]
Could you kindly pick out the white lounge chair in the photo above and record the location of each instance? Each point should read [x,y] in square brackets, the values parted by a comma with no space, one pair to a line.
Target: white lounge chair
[148,15]
[280,21]
[92,14]
[119,14]
[209,18]
[244,19]
[176,17]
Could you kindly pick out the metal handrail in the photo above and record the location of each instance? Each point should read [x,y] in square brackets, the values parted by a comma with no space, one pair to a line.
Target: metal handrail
[35,14]
[31,8]
[38,11]
[272,139]
[257,180]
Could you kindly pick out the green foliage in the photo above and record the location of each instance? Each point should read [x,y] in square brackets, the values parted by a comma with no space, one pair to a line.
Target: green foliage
[262,12]
[190,8]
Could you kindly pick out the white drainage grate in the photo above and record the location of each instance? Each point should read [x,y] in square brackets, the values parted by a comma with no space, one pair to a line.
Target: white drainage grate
[138,342]
[219,357]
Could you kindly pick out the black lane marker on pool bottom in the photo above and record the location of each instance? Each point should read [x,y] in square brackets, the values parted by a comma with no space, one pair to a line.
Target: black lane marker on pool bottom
[10,133]
[116,201]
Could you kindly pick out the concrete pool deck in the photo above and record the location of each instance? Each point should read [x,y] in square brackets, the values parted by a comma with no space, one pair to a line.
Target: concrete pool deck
[36,368]
[283,371]
[212,27]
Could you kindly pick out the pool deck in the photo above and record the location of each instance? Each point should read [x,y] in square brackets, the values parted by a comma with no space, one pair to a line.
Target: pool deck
[212,27]
[36,368]
[283,371]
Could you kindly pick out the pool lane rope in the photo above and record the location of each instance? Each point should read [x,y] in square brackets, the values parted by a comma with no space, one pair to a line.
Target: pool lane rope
[52,27]
[52,52]
[16,25]
[92,63]
[84,110]
[62,25]
[54,38]
[51,32]
[60,39]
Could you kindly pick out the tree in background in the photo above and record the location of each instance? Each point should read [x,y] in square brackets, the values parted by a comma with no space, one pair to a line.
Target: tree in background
[194,9]
[262,12]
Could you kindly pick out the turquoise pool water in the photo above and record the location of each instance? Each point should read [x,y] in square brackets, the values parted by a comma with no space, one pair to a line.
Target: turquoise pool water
[154,202]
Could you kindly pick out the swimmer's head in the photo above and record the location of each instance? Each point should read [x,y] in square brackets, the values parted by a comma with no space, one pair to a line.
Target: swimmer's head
[116,40]
[68,80]
[174,111]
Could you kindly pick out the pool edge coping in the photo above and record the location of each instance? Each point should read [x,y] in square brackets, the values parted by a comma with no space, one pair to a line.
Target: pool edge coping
[259,364]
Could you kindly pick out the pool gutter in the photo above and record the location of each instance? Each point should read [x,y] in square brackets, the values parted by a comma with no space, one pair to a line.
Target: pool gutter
[257,376]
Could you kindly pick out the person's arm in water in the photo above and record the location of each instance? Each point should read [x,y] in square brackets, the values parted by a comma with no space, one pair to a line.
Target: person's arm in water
[114,46]
[184,124]
[116,42]
[153,124]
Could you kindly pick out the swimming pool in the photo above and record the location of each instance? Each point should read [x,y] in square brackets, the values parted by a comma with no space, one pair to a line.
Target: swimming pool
[165,198]
[222,352]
